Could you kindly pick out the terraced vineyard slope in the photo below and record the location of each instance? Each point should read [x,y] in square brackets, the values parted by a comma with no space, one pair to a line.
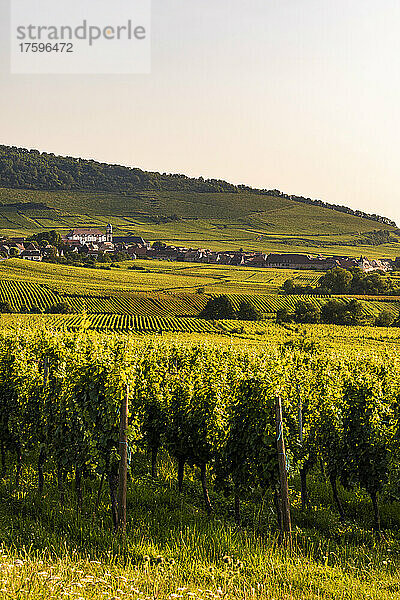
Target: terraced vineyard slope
[42,192]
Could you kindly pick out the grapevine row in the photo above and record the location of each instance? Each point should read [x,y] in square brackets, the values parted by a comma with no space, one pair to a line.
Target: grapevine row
[208,407]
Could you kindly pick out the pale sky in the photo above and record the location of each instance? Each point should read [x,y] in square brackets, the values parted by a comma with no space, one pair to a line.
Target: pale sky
[299,95]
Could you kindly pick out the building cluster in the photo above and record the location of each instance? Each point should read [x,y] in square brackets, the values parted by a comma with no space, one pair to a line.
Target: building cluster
[92,242]
[95,243]
[260,259]
[21,248]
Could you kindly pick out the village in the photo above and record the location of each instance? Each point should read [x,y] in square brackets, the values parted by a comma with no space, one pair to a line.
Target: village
[96,244]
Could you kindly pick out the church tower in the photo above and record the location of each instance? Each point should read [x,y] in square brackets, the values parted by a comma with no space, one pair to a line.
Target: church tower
[109,233]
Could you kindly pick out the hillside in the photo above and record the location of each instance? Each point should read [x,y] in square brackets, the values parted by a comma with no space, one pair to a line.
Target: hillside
[42,191]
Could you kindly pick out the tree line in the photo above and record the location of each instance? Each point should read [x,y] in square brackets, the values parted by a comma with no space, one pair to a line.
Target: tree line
[335,312]
[347,281]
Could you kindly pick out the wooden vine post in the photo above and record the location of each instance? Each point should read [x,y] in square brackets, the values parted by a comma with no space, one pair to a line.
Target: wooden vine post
[123,465]
[283,478]
[42,451]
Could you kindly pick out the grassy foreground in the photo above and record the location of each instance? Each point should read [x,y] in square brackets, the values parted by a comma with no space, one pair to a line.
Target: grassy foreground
[173,550]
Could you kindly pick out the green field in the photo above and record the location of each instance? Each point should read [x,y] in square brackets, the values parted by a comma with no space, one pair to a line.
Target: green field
[216,221]
[39,192]
[134,301]
[153,276]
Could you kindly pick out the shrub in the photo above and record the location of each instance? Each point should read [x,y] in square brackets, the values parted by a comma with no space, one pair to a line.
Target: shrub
[219,308]
[284,316]
[247,312]
[343,313]
[35,310]
[5,307]
[306,312]
[61,308]
[385,318]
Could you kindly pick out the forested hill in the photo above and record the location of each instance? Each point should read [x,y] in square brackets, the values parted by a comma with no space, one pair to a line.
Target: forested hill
[32,170]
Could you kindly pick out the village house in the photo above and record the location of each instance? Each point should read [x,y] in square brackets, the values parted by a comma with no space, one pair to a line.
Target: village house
[18,248]
[137,251]
[257,260]
[87,236]
[167,253]
[35,255]
[136,240]
[289,261]
[4,249]
[300,261]
[193,255]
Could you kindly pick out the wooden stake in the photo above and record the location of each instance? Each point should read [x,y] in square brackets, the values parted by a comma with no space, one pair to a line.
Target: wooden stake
[283,480]
[123,465]
[45,371]
[42,451]
[300,416]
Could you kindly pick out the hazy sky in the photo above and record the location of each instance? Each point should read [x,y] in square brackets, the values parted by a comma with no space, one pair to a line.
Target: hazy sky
[300,95]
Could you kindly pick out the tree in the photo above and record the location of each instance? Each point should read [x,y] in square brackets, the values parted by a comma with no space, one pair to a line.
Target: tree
[385,318]
[62,308]
[340,312]
[289,287]
[51,251]
[48,237]
[372,283]
[353,313]
[335,281]
[5,307]
[248,312]
[307,312]
[331,311]
[219,308]
[283,315]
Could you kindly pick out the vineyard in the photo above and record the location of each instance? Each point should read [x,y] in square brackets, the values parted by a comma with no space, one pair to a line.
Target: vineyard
[204,503]
[152,312]
[207,408]
[21,293]
[70,386]
[152,276]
